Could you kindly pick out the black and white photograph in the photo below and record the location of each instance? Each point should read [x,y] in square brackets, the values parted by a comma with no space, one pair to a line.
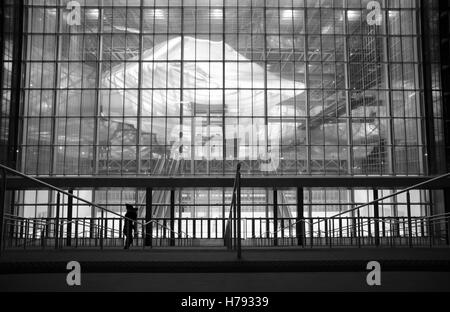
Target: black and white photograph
[225,150]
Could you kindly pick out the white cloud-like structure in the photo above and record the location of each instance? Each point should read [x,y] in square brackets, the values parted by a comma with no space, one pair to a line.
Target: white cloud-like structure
[202,84]
[159,72]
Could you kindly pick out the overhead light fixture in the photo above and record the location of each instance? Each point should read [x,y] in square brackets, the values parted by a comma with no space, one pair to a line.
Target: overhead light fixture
[158,14]
[353,16]
[393,14]
[93,14]
[290,14]
[216,13]
[51,11]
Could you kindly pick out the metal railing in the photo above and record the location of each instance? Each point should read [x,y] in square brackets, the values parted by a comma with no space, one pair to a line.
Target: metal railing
[407,222]
[355,232]
[58,228]
[86,232]
[346,229]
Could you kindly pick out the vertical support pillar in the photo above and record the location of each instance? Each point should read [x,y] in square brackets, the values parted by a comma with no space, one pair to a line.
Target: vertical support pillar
[148,216]
[101,227]
[2,208]
[172,217]
[359,228]
[408,206]
[238,205]
[275,217]
[432,231]
[17,48]
[69,219]
[267,219]
[56,228]
[436,227]
[300,228]
[376,214]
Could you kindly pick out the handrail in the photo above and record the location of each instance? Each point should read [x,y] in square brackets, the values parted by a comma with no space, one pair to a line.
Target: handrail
[54,188]
[395,194]
[98,226]
[416,186]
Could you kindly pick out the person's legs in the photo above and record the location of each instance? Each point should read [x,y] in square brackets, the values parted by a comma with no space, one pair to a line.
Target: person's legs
[126,242]
[129,240]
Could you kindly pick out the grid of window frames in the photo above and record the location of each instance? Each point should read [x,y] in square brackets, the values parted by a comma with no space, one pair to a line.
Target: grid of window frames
[342,97]
[190,87]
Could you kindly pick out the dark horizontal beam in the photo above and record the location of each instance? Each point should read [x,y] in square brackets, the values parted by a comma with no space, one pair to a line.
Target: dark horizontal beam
[18,183]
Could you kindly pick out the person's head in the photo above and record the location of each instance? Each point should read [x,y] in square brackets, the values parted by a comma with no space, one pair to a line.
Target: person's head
[130,207]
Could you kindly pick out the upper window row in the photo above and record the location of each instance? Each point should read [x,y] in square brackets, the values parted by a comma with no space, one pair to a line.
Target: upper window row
[221,3]
[214,20]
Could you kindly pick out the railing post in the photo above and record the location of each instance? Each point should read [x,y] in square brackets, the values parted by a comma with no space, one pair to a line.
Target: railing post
[376,213]
[238,201]
[148,216]
[2,208]
[300,227]
[56,228]
[172,217]
[408,205]
[69,219]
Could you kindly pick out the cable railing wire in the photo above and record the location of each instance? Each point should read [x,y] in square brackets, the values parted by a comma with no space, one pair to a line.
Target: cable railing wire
[80,199]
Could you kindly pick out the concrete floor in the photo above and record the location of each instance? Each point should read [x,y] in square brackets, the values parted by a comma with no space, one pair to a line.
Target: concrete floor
[217,270]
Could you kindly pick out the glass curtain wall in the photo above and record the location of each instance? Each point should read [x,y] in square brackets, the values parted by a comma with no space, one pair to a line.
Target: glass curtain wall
[6,73]
[191,87]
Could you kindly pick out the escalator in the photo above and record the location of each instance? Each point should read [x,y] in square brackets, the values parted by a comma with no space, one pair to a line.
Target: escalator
[161,198]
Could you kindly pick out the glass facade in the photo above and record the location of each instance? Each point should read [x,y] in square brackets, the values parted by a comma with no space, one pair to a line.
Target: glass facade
[6,52]
[188,88]
[192,87]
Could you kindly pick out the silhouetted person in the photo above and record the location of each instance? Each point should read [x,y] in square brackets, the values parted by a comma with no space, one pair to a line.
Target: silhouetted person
[129,228]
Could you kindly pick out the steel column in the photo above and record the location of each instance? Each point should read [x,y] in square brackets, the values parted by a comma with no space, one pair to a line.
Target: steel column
[376,213]
[238,208]
[300,228]
[275,217]
[58,201]
[408,206]
[148,216]
[172,217]
[69,219]
[2,207]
